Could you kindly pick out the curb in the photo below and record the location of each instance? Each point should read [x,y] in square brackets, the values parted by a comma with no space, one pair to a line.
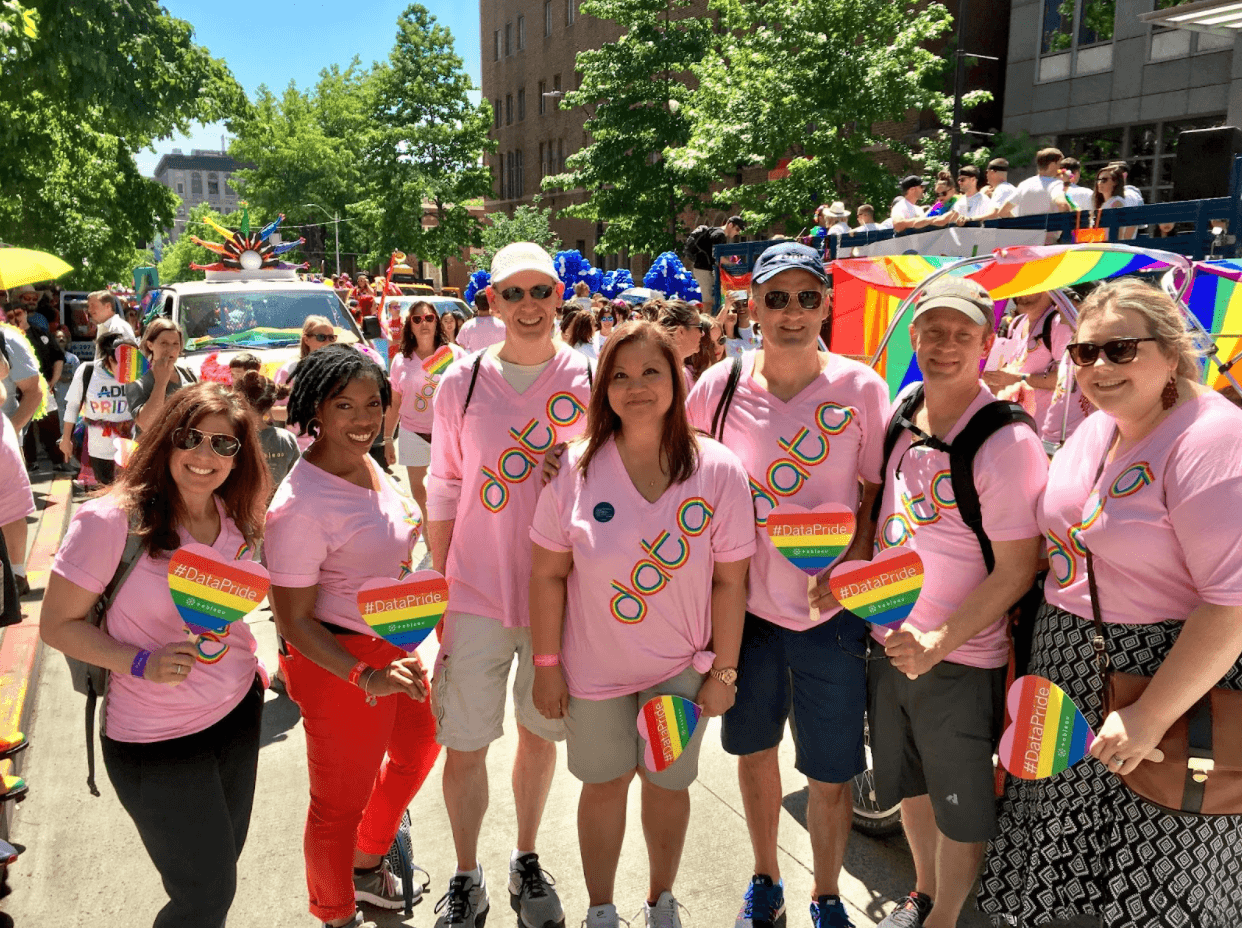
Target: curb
[20,648]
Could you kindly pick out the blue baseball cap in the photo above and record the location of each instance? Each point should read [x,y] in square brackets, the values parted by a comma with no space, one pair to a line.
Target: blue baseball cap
[787,256]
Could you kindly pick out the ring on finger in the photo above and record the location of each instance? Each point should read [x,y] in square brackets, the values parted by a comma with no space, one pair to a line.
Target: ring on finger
[1117,761]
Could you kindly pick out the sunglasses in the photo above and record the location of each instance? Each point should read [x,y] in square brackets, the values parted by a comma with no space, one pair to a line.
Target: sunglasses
[429,318]
[517,294]
[606,319]
[187,439]
[721,340]
[807,299]
[1117,350]
[321,338]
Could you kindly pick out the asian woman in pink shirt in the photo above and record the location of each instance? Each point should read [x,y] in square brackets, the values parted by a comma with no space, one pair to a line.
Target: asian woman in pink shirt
[180,728]
[1151,486]
[638,588]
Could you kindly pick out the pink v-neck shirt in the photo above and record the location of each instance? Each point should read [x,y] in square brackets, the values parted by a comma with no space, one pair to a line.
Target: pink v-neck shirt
[639,595]
[143,615]
[810,451]
[1161,522]
[324,531]
[417,389]
[484,475]
[919,511]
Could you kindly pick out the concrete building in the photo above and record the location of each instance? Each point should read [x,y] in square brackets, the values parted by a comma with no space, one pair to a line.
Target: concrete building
[199,177]
[1101,83]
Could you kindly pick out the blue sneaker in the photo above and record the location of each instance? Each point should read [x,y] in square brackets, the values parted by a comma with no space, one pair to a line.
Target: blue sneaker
[829,912]
[764,905]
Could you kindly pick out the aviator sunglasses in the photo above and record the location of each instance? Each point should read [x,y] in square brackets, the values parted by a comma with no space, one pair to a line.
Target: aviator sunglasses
[537,292]
[187,439]
[1117,350]
[807,299]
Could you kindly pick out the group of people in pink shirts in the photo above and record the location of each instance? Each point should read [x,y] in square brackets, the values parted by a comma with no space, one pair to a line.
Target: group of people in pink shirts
[603,527]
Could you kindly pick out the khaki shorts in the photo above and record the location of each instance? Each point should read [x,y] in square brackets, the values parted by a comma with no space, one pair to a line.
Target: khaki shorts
[603,739]
[469,686]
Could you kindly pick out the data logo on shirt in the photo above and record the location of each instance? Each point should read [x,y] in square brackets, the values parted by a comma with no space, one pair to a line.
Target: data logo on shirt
[666,553]
[805,449]
[516,464]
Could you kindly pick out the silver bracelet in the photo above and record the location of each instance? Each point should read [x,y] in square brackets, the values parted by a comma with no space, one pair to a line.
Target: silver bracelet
[371,699]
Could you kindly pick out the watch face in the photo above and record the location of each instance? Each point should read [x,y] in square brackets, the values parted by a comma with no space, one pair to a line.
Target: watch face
[726,676]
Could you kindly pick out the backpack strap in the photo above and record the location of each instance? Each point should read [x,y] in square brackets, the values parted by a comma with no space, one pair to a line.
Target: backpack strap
[1045,335]
[726,399]
[97,681]
[902,419]
[474,376]
[982,425]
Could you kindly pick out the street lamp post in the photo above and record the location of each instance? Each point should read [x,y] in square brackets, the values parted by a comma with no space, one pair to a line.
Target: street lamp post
[336,225]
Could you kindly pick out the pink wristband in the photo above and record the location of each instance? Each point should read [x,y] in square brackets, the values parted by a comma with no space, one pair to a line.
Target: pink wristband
[547,660]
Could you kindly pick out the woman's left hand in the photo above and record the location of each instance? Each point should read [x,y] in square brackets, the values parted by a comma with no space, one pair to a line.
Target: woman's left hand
[1128,736]
[715,698]
[390,452]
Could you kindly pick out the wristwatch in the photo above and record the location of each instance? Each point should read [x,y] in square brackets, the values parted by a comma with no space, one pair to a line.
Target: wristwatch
[726,675]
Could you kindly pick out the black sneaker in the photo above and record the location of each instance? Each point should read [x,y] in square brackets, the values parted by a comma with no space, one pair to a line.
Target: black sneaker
[23,585]
[910,912]
[465,905]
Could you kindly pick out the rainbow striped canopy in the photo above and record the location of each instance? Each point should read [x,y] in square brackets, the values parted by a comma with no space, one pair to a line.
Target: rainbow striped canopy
[1215,299]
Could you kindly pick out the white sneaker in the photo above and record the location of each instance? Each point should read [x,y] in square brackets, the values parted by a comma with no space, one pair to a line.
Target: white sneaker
[664,913]
[603,916]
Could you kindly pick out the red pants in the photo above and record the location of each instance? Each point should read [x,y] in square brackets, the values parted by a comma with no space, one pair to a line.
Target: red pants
[357,795]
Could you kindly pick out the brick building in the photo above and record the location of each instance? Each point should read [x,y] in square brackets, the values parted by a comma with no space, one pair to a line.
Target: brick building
[199,177]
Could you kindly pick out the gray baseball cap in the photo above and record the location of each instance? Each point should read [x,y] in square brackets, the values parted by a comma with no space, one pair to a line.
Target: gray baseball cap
[960,293]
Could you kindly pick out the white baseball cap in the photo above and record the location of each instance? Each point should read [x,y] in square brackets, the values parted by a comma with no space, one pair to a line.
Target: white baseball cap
[960,293]
[518,257]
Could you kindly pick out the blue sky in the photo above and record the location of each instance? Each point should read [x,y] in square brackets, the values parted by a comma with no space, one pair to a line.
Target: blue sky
[275,43]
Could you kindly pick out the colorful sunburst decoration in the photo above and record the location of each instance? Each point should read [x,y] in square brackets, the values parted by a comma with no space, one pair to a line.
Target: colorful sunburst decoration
[246,251]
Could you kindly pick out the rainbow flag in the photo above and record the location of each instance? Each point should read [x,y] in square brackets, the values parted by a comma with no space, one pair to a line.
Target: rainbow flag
[1215,299]
[1048,733]
[438,363]
[667,723]
[131,364]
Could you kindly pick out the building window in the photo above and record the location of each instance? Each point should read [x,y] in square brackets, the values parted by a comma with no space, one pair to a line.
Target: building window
[556,82]
[1076,38]
[508,39]
[543,102]
[508,109]
[521,103]
[582,247]
[196,185]
[496,109]
[519,170]
[500,180]
[496,51]
[521,33]
[1150,149]
[213,185]
[560,156]
[547,17]
[181,189]
[1178,43]
[570,10]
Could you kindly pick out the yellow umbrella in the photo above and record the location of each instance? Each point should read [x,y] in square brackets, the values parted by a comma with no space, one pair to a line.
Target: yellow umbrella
[23,266]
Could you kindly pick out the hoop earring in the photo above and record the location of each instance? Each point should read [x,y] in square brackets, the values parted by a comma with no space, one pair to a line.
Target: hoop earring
[312,427]
[1168,396]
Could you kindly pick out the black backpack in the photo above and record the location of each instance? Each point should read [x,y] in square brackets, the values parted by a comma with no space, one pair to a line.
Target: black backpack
[698,247]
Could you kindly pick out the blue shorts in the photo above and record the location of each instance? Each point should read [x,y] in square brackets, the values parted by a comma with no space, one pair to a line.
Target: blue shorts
[814,679]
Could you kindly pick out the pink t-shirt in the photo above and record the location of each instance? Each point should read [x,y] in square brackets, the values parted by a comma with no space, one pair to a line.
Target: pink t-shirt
[16,499]
[1068,409]
[143,615]
[485,475]
[809,451]
[323,530]
[919,511]
[417,389]
[640,593]
[1034,358]
[481,332]
[283,376]
[1165,538]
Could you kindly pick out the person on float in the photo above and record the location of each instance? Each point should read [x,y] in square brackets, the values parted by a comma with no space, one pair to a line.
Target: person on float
[180,726]
[161,345]
[103,406]
[936,705]
[336,522]
[640,473]
[1151,486]
[792,667]
[496,414]
[414,396]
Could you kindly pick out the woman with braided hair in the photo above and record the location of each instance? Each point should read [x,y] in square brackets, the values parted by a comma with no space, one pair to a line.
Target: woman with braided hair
[335,523]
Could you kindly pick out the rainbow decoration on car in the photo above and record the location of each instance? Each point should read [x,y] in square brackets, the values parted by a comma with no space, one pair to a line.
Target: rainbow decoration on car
[666,724]
[131,364]
[1215,299]
[1049,733]
[883,591]
[210,592]
[811,539]
[404,612]
[243,250]
[439,362]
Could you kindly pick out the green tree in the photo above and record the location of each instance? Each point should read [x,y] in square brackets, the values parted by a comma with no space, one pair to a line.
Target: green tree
[425,150]
[103,79]
[19,26]
[811,82]
[635,91]
[307,148]
[528,223]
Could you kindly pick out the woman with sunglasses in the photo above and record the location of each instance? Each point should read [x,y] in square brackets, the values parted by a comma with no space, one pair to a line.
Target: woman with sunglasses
[640,472]
[335,523]
[681,321]
[1151,486]
[711,347]
[414,396]
[161,346]
[180,727]
[317,332]
[607,317]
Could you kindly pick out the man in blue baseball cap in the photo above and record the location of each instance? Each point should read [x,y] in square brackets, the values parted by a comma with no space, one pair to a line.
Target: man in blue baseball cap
[808,426]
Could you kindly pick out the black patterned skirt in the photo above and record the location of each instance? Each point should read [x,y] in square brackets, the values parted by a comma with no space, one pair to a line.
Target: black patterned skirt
[1080,843]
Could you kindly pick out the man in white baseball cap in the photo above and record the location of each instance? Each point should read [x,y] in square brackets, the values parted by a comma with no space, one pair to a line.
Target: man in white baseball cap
[936,706]
[496,414]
